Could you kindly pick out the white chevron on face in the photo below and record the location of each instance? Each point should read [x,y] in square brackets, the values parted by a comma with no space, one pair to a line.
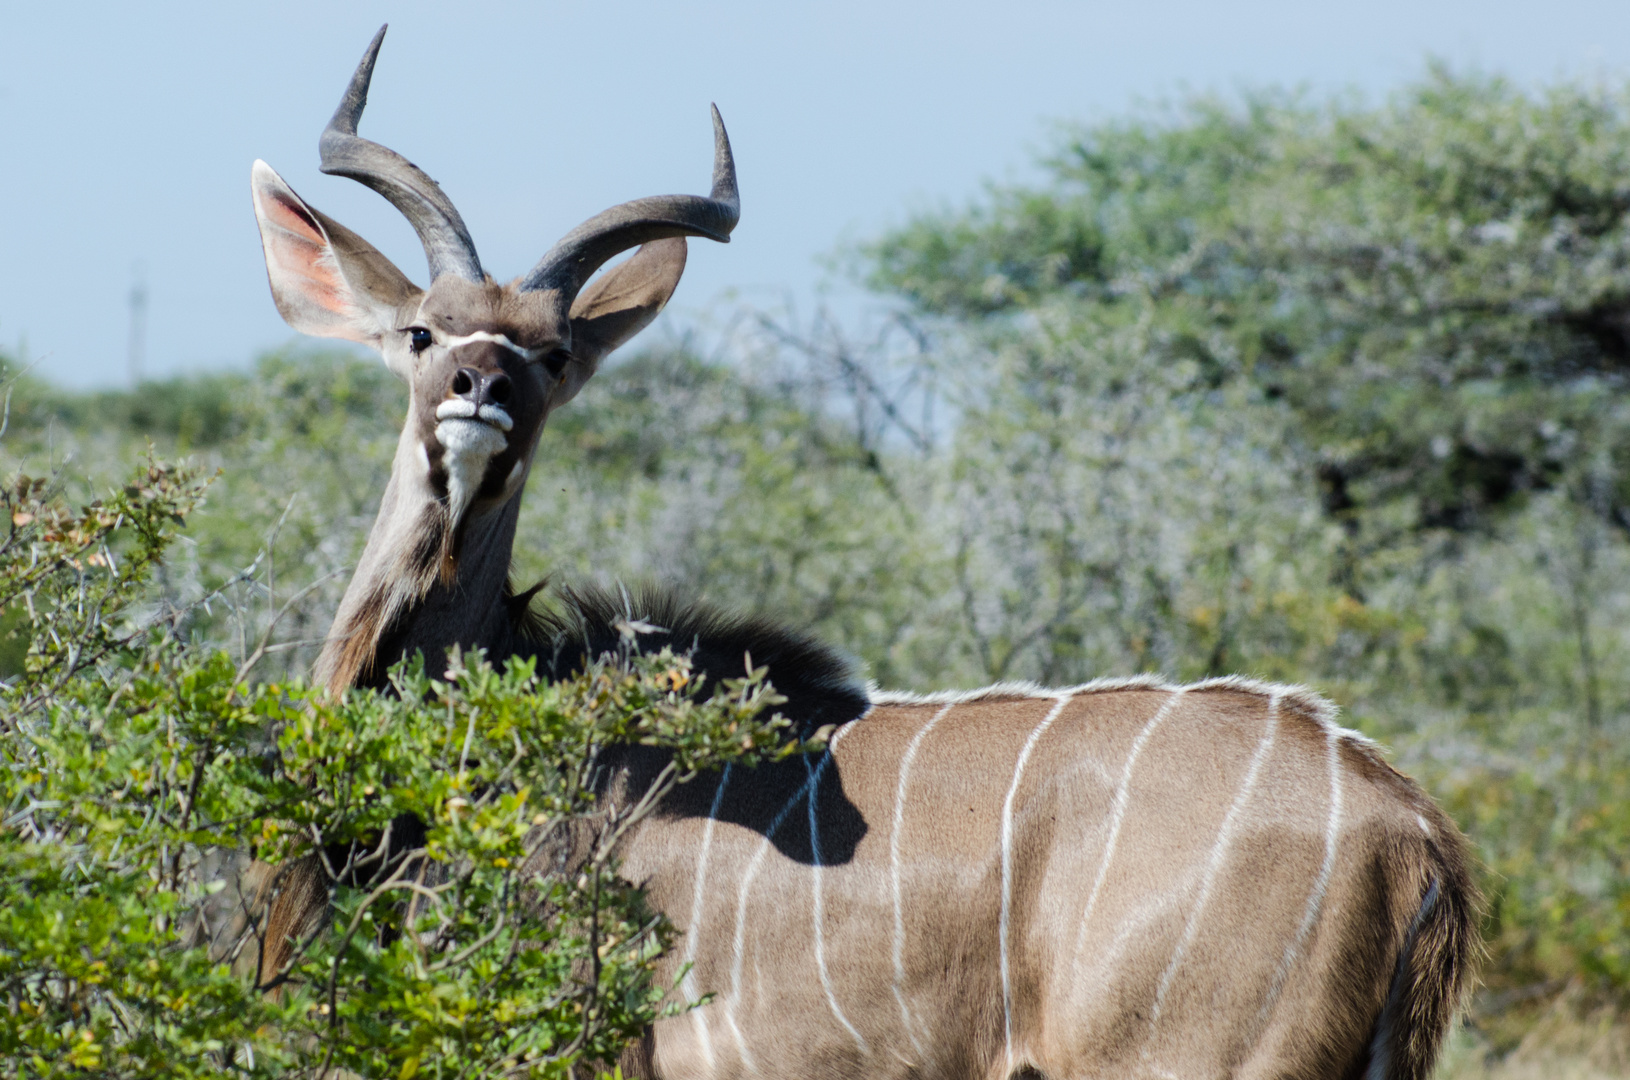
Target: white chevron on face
[529,355]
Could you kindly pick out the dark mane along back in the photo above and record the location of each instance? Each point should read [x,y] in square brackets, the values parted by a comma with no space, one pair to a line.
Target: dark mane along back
[581,621]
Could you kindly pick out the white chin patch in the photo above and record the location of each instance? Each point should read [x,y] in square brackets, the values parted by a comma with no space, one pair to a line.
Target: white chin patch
[470,445]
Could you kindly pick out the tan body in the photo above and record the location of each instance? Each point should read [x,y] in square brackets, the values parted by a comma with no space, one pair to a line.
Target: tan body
[1201,883]
[1117,880]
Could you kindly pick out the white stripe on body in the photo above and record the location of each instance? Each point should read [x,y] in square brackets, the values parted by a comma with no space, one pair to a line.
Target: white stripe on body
[1117,813]
[740,941]
[693,930]
[1219,849]
[894,872]
[814,789]
[1007,869]
[1315,898]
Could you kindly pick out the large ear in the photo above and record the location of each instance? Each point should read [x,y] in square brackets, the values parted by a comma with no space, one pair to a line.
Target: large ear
[625,299]
[326,280]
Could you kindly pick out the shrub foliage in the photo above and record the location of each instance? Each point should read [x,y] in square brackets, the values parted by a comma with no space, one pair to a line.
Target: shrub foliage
[141,771]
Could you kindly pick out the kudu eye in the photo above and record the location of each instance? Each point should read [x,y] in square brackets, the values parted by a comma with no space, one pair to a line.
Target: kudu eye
[555,362]
[419,338]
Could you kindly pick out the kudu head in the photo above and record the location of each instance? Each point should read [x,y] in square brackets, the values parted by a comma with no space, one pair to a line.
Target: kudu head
[486,363]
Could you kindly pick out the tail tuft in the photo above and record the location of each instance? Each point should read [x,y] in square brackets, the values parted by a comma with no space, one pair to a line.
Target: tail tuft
[1431,976]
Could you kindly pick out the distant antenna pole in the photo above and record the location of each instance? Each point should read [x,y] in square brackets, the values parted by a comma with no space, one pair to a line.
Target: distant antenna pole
[138,323]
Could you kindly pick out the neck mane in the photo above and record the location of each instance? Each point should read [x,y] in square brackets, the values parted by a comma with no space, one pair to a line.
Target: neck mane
[423,587]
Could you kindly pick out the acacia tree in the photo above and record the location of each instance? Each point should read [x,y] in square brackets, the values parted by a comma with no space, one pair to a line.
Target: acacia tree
[1438,289]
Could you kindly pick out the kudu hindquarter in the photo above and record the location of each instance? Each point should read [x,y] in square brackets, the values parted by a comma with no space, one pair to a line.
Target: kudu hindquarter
[1119,879]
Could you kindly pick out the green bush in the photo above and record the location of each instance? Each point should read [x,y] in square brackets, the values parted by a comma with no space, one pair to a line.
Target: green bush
[139,772]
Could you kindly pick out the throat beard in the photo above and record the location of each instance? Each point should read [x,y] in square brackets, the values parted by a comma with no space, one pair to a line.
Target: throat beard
[468,448]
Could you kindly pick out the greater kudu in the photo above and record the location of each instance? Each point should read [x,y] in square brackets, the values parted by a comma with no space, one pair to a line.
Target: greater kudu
[1125,878]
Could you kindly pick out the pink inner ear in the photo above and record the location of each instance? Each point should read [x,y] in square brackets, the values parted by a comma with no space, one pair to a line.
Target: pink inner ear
[279,209]
[303,269]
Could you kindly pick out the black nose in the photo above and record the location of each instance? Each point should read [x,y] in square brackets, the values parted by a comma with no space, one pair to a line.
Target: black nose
[479,389]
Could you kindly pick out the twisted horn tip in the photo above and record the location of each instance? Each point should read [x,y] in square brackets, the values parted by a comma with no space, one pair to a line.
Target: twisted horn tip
[724,163]
[356,92]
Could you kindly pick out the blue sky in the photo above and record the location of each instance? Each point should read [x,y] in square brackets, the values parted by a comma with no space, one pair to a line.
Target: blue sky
[127,131]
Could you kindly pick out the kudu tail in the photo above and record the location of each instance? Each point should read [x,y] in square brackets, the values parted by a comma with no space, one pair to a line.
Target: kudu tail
[1431,974]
